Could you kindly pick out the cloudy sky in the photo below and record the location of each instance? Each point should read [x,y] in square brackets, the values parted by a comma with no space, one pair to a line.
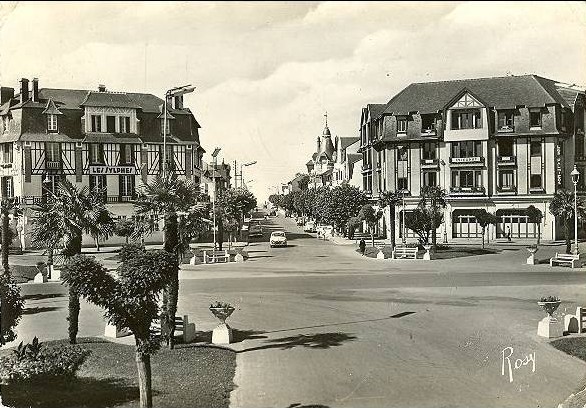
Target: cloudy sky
[266,72]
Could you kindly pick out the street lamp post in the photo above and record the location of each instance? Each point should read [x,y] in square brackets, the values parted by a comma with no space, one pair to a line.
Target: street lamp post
[178,91]
[242,174]
[443,163]
[575,178]
[214,155]
[403,229]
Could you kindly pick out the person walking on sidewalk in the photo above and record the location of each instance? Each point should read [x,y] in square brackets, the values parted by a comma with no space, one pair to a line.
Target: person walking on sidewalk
[362,246]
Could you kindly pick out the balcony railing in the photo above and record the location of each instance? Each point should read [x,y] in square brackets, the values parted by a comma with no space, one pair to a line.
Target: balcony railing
[506,129]
[428,132]
[506,160]
[53,165]
[119,199]
[467,160]
[506,189]
[467,190]
[429,162]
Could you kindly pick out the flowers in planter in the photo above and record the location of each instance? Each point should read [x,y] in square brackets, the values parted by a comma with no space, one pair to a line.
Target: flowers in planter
[549,299]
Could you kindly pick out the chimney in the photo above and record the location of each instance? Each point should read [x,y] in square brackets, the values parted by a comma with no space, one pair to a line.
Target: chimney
[35,89]
[23,90]
[179,102]
[101,88]
[6,94]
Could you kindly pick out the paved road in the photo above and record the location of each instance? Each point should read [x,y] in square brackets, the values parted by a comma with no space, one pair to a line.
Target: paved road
[317,324]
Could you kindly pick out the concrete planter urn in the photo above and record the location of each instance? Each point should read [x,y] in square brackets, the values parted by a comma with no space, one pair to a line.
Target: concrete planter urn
[549,326]
[532,250]
[427,255]
[223,333]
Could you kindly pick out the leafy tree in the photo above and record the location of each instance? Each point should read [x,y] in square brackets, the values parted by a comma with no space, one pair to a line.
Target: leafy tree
[432,202]
[11,308]
[535,216]
[371,217]
[129,299]
[124,228]
[62,220]
[304,182]
[485,219]
[420,221]
[337,205]
[390,199]
[232,205]
[352,224]
[165,197]
[8,207]
[142,227]
[561,206]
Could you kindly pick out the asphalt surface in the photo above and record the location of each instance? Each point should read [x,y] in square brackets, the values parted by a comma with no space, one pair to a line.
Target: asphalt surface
[316,324]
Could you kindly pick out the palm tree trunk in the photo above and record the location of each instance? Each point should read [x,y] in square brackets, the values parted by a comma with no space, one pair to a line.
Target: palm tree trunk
[538,233]
[568,239]
[5,243]
[143,365]
[483,231]
[393,232]
[170,308]
[74,248]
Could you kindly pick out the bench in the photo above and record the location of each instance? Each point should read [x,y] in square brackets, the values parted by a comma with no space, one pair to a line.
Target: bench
[215,257]
[404,253]
[181,325]
[566,259]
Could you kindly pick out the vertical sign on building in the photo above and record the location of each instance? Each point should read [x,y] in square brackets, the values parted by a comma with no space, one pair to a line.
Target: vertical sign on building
[559,164]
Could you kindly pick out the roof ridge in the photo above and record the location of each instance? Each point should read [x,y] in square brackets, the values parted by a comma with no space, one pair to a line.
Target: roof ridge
[475,79]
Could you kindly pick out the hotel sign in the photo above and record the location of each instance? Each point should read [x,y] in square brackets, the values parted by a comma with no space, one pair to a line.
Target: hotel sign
[112,170]
[466,159]
[559,166]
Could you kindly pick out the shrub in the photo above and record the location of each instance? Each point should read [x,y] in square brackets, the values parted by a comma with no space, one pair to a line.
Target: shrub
[550,299]
[130,251]
[46,364]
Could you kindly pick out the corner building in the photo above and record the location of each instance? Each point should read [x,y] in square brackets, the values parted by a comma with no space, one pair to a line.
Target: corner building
[501,144]
[96,139]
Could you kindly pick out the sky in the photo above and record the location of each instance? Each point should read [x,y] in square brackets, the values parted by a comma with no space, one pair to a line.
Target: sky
[265,73]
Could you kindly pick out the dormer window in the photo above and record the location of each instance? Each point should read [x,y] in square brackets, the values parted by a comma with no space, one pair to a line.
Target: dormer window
[466,119]
[52,123]
[506,121]
[166,125]
[124,124]
[96,123]
[428,124]
[535,119]
[401,125]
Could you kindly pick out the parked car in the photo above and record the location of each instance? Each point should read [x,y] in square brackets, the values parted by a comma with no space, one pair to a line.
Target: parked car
[273,213]
[309,227]
[278,238]
[299,221]
[254,229]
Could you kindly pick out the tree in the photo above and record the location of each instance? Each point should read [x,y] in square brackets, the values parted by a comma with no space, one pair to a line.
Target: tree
[62,220]
[232,205]
[337,205]
[303,182]
[390,199]
[371,216]
[561,206]
[534,215]
[130,300]
[420,222]
[11,308]
[8,206]
[165,197]
[352,224]
[124,228]
[484,219]
[432,202]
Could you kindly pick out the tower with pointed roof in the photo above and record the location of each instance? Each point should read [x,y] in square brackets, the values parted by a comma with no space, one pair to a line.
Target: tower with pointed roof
[322,161]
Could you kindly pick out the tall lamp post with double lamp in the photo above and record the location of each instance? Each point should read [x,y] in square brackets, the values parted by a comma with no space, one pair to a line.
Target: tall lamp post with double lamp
[177,91]
[575,178]
[214,155]
[242,174]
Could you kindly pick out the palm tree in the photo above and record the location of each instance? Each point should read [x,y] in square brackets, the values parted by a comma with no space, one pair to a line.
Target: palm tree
[63,219]
[433,200]
[390,199]
[8,206]
[166,196]
[562,206]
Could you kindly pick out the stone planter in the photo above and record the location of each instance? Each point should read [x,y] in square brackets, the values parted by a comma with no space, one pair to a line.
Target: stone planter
[427,256]
[223,333]
[531,259]
[549,326]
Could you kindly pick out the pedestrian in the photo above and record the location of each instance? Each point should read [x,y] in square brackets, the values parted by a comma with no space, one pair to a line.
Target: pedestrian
[508,234]
[362,246]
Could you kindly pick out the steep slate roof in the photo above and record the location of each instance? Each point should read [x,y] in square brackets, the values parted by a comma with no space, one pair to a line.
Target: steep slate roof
[344,142]
[376,109]
[109,99]
[500,92]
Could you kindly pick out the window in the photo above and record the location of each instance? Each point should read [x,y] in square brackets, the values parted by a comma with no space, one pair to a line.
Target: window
[429,151]
[52,152]
[51,184]
[169,157]
[402,153]
[535,182]
[466,178]
[111,124]
[401,125]
[52,123]
[402,183]
[506,120]
[579,146]
[505,147]
[98,184]
[7,187]
[469,148]
[124,124]
[168,127]
[466,119]
[506,179]
[535,149]
[126,154]
[428,124]
[7,153]
[126,184]
[96,123]
[430,178]
[563,120]
[535,119]
[96,153]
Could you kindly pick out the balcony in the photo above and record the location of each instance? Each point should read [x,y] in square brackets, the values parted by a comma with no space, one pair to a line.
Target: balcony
[53,165]
[466,191]
[506,189]
[506,160]
[467,161]
[429,163]
[506,129]
[428,132]
[119,199]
